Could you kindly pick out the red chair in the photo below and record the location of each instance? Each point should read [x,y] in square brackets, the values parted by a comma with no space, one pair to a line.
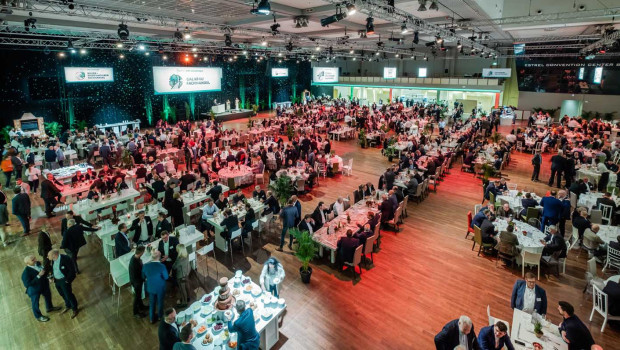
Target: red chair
[469,228]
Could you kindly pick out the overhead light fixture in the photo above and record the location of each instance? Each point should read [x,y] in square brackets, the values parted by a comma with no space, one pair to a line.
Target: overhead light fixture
[416,37]
[404,29]
[164,57]
[370,27]
[459,45]
[274,27]
[245,52]
[178,36]
[333,18]
[194,49]
[425,58]
[351,9]
[264,42]
[29,23]
[396,55]
[289,46]
[227,40]
[438,40]
[318,48]
[71,4]
[123,31]
[434,6]
[119,45]
[263,8]
[187,34]
[61,54]
[70,46]
[83,51]
[147,53]
[352,51]
[141,47]
[377,53]
[422,5]
[121,56]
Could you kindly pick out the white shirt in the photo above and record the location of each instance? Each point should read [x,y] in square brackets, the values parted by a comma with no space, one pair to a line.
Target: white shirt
[144,232]
[33,173]
[529,298]
[463,340]
[338,208]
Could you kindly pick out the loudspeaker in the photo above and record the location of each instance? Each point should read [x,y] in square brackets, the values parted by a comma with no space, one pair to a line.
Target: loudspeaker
[445,70]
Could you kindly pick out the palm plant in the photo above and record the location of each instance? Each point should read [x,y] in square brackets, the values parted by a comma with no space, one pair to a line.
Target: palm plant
[80,125]
[52,128]
[306,247]
[5,133]
[282,189]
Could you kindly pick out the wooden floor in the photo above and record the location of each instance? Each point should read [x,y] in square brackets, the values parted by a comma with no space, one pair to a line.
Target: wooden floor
[424,276]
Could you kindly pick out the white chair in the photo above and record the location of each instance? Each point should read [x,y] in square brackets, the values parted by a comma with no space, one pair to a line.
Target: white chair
[494,320]
[531,256]
[596,216]
[600,303]
[357,259]
[607,212]
[477,208]
[259,176]
[120,277]
[347,169]
[369,247]
[592,277]
[234,235]
[613,258]
[265,222]
[396,220]
[574,238]
[512,186]
[203,252]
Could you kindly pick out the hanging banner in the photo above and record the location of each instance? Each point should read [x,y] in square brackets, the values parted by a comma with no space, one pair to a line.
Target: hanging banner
[325,74]
[496,72]
[178,80]
[88,75]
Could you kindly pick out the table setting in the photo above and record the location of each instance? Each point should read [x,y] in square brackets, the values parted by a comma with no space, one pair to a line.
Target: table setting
[524,337]
[242,174]
[528,235]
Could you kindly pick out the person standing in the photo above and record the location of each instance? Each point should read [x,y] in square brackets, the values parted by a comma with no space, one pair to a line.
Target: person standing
[168,249]
[35,280]
[289,216]
[63,272]
[245,327]
[7,168]
[572,329]
[557,167]
[529,297]
[33,173]
[181,273]
[168,331]
[536,162]
[155,274]
[272,276]
[21,209]
[72,241]
[49,193]
[4,217]
[121,241]
[44,246]
[136,280]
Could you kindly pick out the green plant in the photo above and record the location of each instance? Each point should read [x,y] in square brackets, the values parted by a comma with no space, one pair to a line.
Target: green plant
[538,328]
[282,189]
[250,122]
[126,160]
[52,128]
[385,128]
[587,115]
[609,116]
[255,109]
[496,137]
[306,248]
[290,132]
[5,133]
[212,115]
[80,125]
[363,139]
[487,171]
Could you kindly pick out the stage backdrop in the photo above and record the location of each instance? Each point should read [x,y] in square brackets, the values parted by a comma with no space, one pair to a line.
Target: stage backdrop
[33,81]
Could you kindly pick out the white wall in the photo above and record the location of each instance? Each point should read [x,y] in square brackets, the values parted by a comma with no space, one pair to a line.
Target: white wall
[596,103]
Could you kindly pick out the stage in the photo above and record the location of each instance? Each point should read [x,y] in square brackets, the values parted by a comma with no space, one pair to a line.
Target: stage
[230,115]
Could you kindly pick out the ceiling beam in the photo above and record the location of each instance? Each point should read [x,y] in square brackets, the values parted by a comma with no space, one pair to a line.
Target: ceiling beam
[544,18]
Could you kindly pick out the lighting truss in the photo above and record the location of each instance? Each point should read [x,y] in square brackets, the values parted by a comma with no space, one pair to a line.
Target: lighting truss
[607,40]
[542,18]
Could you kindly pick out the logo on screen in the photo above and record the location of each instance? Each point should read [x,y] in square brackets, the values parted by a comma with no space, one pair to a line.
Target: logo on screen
[175,81]
[80,75]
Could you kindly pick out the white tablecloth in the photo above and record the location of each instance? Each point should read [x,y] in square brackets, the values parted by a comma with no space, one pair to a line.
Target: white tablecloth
[523,330]
[242,176]
[534,235]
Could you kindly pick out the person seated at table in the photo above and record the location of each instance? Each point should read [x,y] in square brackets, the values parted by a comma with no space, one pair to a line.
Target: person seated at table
[78,178]
[106,171]
[176,210]
[320,215]
[457,333]
[505,211]
[221,202]
[120,185]
[238,197]
[596,245]
[94,193]
[142,228]
[338,207]
[492,187]
[346,247]
[308,224]
[488,230]
[529,297]
[248,220]
[497,163]
[508,242]
[162,225]
[230,224]
[495,337]
[581,222]
[502,186]
[363,234]
[272,204]
[554,248]
[527,202]
[187,178]
[612,289]
[573,330]
[607,200]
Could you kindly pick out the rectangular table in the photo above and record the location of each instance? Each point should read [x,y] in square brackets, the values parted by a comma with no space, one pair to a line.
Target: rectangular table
[216,221]
[523,330]
[85,206]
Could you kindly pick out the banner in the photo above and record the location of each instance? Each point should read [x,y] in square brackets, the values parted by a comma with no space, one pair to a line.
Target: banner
[88,75]
[279,72]
[325,74]
[389,73]
[496,72]
[178,80]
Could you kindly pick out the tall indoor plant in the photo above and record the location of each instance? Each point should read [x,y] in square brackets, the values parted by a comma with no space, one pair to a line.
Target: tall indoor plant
[305,249]
[282,189]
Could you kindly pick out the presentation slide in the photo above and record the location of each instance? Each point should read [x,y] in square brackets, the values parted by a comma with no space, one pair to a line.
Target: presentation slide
[422,72]
[179,80]
[88,75]
[496,72]
[279,72]
[389,72]
[325,74]
[598,75]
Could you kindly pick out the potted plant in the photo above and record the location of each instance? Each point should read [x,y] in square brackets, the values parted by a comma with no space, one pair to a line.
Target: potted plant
[290,132]
[126,160]
[538,329]
[52,128]
[496,137]
[80,125]
[5,133]
[363,139]
[254,109]
[282,189]
[305,250]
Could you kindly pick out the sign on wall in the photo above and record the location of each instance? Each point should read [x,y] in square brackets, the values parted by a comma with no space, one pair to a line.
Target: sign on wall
[422,72]
[496,72]
[389,72]
[325,74]
[88,74]
[177,80]
[279,72]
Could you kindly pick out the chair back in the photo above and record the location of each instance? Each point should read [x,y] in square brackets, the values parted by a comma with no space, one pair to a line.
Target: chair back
[613,257]
[469,219]
[531,255]
[596,216]
[607,211]
[335,167]
[357,256]
[235,234]
[368,246]
[599,301]
[477,235]
[512,186]
[532,213]
[301,184]
[573,200]
[533,222]
[419,189]
[591,268]
[574,238]
[477,208]
[399,210]
[491,198]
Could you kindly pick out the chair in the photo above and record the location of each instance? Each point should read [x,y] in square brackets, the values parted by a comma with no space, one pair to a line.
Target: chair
[335,168]
[574,238]
[259,176]
[478,240]
[607,212]
[465,167]
[592,277]
[534,222]
[395,221]
[320,169]
[432,180]
[512,186]
[477,208]
[300,186]
[234,235]
[613,258]
[600,304]
[531,256]
[369,247]
[347,169]
[469,229]
[538,147]
[404,205]
[203,252]
[519,146]
[494,320]
[573,200]
[596,216]
[124,206]
[265,221]
[357,259]
[417,194]
[120,277]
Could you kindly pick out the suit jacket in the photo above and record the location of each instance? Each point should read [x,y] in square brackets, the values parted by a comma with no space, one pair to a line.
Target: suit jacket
[273,205]
[581,224]
[214,192]
[486,339]
[552,207]
[135,271]
[606,201]
[316,215]
[155,274]
[289,215]
[305,226]
[558,162]
[172,248]
[387,210]
[49,190]
[67,267]
[34,285]
[45,243]
[518,291]
[136,227]
[73,239]
[487,229]
[556,244]
[21,205]
[163,225]
[346,247]
[577,333]
[508,243]
[449,336]
[168,335]
[86,226]
[121,245]
[245,327]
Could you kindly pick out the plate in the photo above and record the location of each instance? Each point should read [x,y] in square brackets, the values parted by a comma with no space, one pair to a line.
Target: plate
[266,314]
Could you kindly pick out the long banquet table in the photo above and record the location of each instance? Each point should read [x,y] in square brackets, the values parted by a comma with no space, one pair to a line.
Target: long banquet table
[523,331]
[216,221]
[87,205]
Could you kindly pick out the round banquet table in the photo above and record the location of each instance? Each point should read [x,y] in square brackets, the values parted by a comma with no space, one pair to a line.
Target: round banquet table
[241,176]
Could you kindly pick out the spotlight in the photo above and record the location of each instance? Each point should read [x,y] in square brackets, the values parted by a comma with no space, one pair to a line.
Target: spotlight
[227,40]
[422,5]
[370,27]
[425,58]
[195,55]
[353,58]
[121,56]
[71,4]
[147,53]
[416,38]
[404,29]
[164,57]
[264,42]
[352,51]
[263,8]
[194,49]
[438,40]
[334,18]
[119,45]
[141,47]
[70,46]
[178,36]
[459,45]
[82,51]
[123,31]
[187,34]
[61,54]
[318,48]
[434,6]
[351,9]
[396,55]
[377,53]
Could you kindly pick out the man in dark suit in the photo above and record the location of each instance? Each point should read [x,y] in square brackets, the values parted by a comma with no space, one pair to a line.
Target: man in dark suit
[572,329]
[49,193]
[155,274]
[142,228]
[221,202]
[162,225]
[168,249]
[259,194]
[488,230]
[606,200]
[167,332]
[136,280]
[35,280]
[346,247]
[72,241]
[554,244]
[389,176]
[495,337]
[63,271]
[273,206]
[289,216]
[363,234]
[492,187]
[552,209]
[581,222]
[457,332]
[320,215]
[297,205]
[307,224]
[215,191]
[44,246]
[86,226]
[527,202]
[557,167]
[21,209]
[121,241]
[528,296]
[387,209]
[480,217]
